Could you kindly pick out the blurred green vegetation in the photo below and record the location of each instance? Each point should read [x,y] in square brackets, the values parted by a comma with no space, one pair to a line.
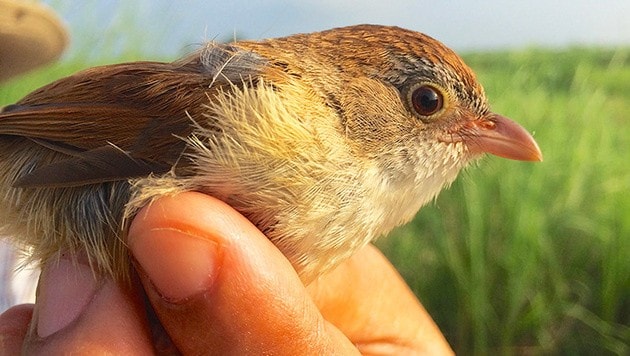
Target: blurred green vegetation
[521,258]
[534,258]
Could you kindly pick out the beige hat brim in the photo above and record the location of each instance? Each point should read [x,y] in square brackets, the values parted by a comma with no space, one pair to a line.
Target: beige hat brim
[31,35]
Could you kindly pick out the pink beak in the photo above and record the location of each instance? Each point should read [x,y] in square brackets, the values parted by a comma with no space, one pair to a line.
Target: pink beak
[499,136]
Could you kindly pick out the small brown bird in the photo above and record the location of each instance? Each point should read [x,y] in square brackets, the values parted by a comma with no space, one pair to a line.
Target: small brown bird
[324,141]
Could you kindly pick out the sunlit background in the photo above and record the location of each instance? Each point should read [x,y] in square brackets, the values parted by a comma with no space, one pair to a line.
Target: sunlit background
[167,27]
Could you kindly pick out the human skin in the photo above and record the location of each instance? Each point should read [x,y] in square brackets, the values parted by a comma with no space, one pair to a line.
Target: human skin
[218,286]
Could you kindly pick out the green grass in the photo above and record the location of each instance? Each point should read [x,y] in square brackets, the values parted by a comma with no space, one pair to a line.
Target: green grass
[523,258]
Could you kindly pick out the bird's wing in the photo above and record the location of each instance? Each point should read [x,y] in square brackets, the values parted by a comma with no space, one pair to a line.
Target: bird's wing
[121,121]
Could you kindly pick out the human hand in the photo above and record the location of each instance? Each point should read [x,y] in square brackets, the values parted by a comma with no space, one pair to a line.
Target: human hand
[218,286]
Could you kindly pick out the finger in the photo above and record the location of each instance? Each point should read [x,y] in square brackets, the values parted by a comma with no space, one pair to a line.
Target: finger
[219,286]
[369,302]
[77,312]
[13,328]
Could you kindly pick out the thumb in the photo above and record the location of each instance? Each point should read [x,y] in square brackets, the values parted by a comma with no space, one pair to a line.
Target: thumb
[218,285]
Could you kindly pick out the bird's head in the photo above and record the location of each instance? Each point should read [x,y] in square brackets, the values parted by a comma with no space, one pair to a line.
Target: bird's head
[404,86]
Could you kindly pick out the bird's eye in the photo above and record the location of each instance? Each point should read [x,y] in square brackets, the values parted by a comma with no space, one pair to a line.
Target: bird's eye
[426,100]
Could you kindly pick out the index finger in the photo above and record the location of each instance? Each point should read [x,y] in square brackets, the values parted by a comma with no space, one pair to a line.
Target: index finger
[369,302]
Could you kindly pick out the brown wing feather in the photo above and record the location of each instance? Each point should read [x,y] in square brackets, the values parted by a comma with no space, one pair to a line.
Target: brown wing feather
[125,105]
[121,121]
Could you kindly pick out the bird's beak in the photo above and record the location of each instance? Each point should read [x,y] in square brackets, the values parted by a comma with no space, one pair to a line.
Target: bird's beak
[499,136]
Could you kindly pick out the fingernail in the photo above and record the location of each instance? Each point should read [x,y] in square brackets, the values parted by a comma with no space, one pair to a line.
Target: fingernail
[178,263]
[65,288]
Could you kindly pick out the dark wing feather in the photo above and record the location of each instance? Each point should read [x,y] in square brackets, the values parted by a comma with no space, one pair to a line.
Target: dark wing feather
[102,164]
